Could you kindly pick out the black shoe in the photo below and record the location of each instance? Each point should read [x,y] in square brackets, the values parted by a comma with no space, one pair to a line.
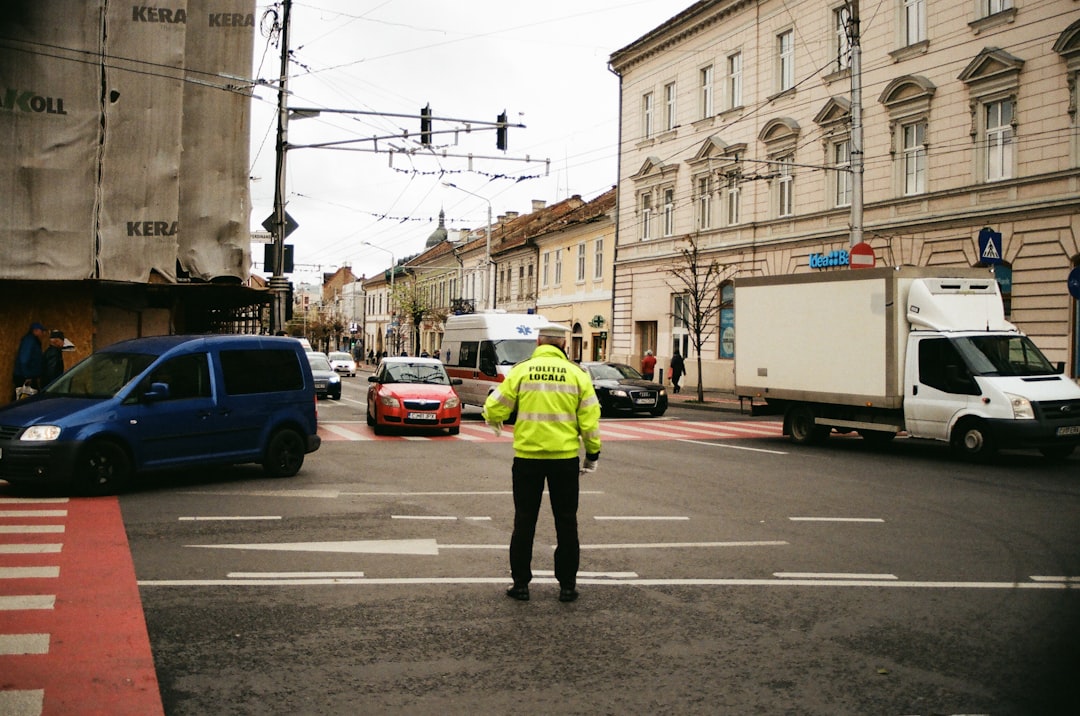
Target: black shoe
[567,594]
[519,593]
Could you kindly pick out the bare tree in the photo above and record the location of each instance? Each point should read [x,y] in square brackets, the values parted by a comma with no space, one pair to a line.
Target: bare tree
[412,303]
[696,278]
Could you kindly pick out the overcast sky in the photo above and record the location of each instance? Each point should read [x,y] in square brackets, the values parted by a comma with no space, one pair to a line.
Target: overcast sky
[544,63]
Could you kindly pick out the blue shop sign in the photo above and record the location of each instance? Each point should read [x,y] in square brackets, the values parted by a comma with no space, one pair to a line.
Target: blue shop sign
[833,258]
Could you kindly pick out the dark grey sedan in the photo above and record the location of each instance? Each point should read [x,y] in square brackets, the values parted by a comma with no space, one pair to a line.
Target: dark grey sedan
[621,389]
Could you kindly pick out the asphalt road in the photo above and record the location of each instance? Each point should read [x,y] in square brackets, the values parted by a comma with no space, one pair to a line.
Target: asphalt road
[719,575]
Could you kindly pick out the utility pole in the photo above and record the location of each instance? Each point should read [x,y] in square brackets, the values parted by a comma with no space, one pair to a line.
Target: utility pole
[856,125]
[279,285]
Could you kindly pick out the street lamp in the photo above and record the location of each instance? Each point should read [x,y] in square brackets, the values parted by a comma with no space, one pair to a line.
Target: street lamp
[393,270]
[488,294]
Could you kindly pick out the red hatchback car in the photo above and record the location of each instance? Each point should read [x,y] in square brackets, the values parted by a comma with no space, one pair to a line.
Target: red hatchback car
[413,393]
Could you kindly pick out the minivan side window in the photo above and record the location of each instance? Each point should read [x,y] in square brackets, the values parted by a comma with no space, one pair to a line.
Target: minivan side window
[467,354]
[187,377]
[260,371]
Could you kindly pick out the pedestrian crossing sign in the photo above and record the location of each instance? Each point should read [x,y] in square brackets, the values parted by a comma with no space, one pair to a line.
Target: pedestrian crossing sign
[990,246]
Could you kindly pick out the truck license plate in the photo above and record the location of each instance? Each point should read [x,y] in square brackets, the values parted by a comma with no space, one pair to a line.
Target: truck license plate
[1068,430]
[421,416]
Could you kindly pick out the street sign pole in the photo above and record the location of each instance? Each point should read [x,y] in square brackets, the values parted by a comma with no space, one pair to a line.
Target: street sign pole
[279,285]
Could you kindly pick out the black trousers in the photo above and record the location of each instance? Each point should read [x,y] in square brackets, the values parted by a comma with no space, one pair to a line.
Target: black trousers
[562,481]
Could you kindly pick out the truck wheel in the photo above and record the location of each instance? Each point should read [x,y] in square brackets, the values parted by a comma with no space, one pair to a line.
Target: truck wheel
[802,428]
[971,440]
[1057,452]
[102,469]
[284,454]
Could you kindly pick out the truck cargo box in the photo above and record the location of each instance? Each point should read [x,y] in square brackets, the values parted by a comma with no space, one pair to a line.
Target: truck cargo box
[837,337]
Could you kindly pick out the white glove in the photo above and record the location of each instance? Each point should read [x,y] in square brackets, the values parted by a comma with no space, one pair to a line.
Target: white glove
[589,466]
[496,428]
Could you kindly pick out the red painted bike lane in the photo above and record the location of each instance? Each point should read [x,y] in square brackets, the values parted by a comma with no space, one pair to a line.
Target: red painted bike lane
[73,638]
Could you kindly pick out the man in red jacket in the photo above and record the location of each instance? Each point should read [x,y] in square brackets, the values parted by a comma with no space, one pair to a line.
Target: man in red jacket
[648,365]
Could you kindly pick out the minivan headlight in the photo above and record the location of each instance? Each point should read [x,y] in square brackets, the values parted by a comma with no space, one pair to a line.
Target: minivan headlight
[41,432]
[1021,407]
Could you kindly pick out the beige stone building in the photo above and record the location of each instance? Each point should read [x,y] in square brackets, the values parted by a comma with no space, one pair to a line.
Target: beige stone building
[573,284]
[736,130]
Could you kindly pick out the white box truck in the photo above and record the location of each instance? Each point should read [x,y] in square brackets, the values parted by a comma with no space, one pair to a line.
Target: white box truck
[926,351]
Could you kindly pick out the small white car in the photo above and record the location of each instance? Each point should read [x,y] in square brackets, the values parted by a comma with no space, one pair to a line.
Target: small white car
[342,362]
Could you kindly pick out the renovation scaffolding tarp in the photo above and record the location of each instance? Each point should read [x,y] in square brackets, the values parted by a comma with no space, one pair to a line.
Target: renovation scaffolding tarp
[124,130]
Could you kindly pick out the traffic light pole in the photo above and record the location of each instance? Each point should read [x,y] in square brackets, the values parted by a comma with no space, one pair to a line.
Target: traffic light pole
[279,285]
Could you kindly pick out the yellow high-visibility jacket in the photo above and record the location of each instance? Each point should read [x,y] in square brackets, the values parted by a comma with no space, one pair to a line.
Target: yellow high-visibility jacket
[555,403]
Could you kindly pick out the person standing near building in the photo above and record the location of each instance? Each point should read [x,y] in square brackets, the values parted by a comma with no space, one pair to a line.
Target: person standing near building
[29,360]
[678,368]
[53,358]
[556,405]
[648,365]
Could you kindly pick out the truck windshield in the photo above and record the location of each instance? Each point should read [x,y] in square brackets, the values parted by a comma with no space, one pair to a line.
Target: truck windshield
[513,351]
[102,375]
[1003,355]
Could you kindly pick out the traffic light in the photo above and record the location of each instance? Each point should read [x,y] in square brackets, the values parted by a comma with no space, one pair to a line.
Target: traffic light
[500,132]
[425,125]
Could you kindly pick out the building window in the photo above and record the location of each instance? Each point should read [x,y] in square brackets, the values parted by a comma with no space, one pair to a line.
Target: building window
[734,80]
[706,76]
[785,186]
[734,198]
[841,162]
[647,115]
[646,216]
[521,283]
[993,7]
[704,202]
[841,40]
[785,47]
[680,322]
[914,157]
[581,262]
[545,269]
[669,106]
[914,21]
[558,267]
[669,212]
[999,139]
[598,259]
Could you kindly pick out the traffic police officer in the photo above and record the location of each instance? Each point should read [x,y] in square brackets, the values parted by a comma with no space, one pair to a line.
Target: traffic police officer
[555,404]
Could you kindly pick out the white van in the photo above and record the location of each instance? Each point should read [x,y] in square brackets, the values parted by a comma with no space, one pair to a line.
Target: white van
[481,348]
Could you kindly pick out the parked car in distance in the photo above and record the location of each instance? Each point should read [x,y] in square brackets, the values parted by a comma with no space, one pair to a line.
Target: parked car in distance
[163,402]
[342,362]
[414,393]
[621,388]
[327,381]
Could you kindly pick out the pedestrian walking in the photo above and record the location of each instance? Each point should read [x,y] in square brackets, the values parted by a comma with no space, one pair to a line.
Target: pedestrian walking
[678,368]
[648,365]
[29,359]
[53,358]
[556,406]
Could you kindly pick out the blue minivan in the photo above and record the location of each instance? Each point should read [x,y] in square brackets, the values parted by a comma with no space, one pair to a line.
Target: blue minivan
[164,402]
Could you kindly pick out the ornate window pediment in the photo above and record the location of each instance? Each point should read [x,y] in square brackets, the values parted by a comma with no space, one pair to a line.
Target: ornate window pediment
[780,135]
[654,168]
[991,68]
[835,111]
[909,91]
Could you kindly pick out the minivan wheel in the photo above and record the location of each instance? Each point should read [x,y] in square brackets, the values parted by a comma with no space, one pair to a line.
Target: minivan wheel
[284,454]
[103,468]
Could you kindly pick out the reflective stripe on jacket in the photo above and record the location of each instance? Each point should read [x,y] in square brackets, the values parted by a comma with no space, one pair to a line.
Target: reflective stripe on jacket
[555,403]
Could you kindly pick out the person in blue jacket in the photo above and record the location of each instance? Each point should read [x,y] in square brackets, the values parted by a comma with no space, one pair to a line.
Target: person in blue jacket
[29,359]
